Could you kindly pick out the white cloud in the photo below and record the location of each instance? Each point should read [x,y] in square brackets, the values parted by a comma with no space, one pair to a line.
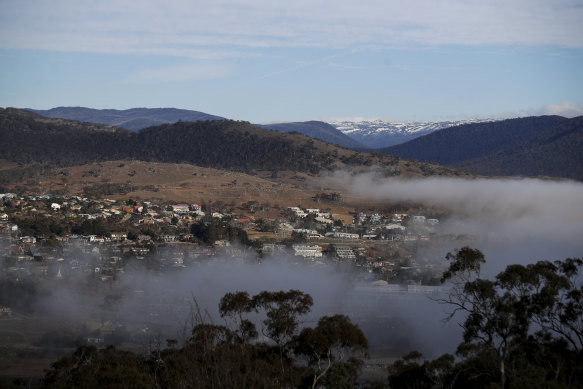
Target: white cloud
[565,109]
[189,28]
[510,220]
[492,199]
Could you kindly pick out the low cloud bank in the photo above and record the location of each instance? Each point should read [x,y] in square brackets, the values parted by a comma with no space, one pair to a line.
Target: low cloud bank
[499,199]
[511,220]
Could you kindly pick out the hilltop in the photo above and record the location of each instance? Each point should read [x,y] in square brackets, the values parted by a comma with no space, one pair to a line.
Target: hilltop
[241,146]
[136,119]
[377,134]
[318,130]
[532,146]
[132,119]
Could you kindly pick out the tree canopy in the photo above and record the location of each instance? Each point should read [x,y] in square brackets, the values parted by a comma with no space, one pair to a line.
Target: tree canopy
[231,355]
[523,329]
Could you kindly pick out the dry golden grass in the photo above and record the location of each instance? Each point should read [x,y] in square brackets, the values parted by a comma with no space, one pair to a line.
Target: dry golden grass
[189,184]
[186,183]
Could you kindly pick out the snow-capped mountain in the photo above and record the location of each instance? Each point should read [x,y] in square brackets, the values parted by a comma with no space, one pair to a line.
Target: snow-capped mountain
[379,133]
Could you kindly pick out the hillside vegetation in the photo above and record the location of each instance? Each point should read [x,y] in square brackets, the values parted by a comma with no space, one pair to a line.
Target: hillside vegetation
[136,119]
[533,146]
[29,138]
[318,130]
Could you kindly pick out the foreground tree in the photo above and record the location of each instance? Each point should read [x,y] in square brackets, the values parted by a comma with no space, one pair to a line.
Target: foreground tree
[330,350]
[522,329]
[231,355]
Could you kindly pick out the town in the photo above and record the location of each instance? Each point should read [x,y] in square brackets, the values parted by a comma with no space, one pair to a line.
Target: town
[54,236]
[115,258]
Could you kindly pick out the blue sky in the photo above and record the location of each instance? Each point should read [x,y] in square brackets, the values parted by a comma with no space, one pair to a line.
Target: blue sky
[265,61]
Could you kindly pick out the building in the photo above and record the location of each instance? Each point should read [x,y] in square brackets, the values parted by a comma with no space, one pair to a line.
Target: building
[118,236]
[345,253]
[180,208]
[307,251]
[343,235]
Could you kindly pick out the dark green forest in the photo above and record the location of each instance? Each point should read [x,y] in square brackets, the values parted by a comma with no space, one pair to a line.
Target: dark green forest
[26,138]
[29,138]
[532,146]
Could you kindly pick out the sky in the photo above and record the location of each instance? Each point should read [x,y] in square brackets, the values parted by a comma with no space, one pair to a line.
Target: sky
[266,61]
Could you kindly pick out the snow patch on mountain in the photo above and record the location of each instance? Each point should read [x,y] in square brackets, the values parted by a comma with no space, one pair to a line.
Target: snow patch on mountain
[380,133]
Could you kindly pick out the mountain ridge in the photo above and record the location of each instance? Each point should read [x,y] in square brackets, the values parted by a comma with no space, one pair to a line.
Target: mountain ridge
[377,134]
[133,119]
[532,146]
[30,138]
[319,130]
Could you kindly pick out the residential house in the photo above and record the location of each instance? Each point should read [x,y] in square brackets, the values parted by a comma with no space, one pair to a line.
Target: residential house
[180,208]
[307,251]
[118,236]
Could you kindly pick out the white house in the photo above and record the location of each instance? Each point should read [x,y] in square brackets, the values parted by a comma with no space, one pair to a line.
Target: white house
[307,251]
[180,208]
[344,235]
[418,219]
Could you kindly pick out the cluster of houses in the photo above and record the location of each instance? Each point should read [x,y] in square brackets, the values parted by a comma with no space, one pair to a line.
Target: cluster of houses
[323,238]
[103,258]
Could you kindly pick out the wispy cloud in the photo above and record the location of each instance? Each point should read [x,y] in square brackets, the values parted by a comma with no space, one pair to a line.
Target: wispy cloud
[181,73]
[297,66]
[187,28]
[566,109]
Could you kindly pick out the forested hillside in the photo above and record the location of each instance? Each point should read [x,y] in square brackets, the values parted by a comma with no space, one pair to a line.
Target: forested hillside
[227,144]
[533,146]
[27,137]
[318,130]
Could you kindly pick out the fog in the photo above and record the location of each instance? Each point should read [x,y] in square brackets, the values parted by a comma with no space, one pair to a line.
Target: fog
[510,220]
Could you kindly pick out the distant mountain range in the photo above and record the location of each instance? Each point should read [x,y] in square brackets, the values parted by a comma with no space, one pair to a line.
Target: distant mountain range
[318,130]
[132,119]
[28,138]
[377,134]
[532,146]
[136,119]
[358,135]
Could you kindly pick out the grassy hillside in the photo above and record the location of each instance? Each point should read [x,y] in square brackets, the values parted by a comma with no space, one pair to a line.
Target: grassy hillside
[36,143]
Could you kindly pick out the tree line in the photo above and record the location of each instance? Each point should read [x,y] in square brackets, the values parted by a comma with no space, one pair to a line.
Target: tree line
[236,354]
[28,138]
